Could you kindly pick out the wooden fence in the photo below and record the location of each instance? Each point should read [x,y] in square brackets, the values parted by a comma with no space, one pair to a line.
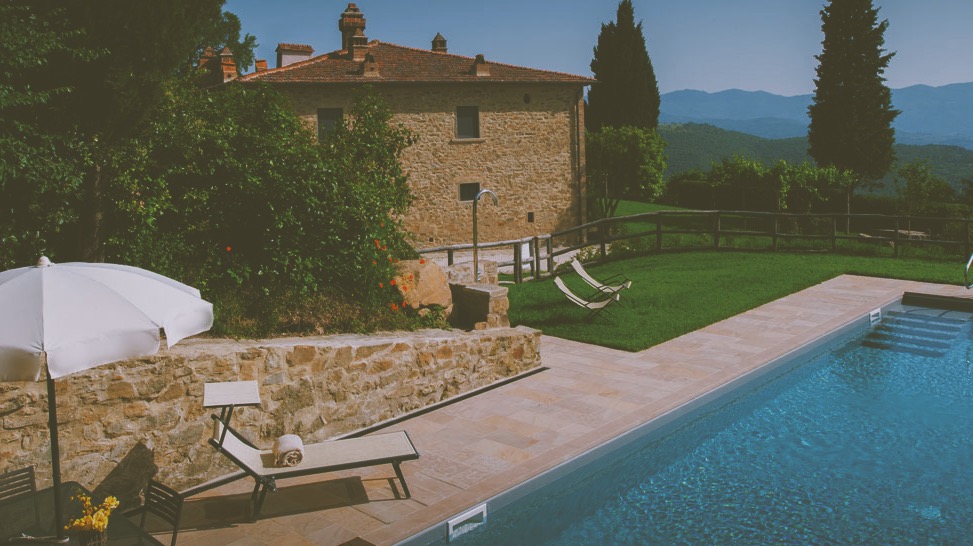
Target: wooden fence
[678,230]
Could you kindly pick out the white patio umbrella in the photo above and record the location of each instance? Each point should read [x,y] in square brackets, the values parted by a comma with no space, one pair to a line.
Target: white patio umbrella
[76,316]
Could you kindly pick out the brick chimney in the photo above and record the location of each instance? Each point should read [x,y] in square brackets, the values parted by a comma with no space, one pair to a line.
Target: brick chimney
[292,53]
[480,66]
[370,66]
[358,46]
[439,43]
[260,65]
[227,65]
[352,22]
[206,58]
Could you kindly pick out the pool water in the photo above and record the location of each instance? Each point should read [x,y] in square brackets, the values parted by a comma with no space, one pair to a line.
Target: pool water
[867,443]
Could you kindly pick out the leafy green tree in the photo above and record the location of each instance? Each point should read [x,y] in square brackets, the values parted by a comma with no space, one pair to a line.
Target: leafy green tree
[624,162]
[226,33]
[626,91]
[921,192]
[137,47]
[40,169]
[851,114]
[230,191]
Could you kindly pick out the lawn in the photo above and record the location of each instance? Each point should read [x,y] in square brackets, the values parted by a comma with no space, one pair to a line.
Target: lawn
[675,293]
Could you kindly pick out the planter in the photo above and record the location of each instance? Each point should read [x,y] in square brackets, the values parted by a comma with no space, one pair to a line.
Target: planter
[92,538]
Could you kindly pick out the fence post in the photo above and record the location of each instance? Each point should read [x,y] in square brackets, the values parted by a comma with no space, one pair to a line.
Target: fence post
[895,239]
[518,264]
[535,255]
[834,233]
[658,232]
[716,230]
[603,231]
[449,256]
[966,232]
[774,232]
[550,256]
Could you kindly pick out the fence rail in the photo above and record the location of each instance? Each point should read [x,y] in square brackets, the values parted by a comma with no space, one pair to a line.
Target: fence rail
[667,230]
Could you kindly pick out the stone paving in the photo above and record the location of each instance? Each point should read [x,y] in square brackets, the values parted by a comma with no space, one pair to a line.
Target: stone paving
[481,446]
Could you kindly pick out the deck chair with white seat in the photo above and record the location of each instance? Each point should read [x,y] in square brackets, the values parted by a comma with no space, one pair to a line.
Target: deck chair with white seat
[594,307]
[330,456]
[622,280]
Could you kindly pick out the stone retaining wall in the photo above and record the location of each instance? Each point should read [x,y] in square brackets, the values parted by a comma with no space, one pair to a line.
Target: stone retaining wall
[119,421]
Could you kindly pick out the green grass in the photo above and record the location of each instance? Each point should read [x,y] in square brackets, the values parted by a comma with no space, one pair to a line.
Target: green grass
[675,293]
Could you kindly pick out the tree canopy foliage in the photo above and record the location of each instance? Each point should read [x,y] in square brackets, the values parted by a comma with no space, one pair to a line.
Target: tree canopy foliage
[624,162]
[626,91]
[851,114]
[109,149]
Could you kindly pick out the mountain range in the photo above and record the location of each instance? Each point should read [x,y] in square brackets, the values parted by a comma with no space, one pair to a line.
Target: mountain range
[929,115]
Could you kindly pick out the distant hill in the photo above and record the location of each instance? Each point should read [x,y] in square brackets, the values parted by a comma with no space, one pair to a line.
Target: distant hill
[930,115]
[697,146]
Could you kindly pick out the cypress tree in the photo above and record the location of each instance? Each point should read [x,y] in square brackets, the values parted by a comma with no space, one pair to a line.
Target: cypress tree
[626,92]
[851,114]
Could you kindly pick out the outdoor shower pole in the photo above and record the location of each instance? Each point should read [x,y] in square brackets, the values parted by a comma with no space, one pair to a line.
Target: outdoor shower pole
[476,261]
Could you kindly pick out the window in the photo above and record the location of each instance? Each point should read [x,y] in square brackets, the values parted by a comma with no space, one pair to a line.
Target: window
[468,191]
[328,119]
[467,122]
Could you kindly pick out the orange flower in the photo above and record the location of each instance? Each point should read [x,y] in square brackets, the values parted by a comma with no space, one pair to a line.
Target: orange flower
[411,277]
[395,307]
[228,248]
[378,244]
[374,262]
[405,288]
[384,247]
[422,262]
[392,282]
[403,305]
[380,285]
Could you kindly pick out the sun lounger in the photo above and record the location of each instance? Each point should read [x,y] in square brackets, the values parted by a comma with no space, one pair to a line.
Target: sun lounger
[390,448]
[623,281]
[593,307]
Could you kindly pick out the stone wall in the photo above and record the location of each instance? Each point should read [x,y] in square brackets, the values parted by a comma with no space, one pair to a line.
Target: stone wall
[530,153]
[119,421]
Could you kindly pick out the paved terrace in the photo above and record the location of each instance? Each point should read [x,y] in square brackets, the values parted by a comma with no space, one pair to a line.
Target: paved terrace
[481,446]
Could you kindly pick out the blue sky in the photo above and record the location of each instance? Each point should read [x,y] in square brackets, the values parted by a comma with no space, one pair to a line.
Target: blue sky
[710,45]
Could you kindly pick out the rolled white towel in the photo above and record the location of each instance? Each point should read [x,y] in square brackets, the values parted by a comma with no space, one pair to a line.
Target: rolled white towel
[288,450]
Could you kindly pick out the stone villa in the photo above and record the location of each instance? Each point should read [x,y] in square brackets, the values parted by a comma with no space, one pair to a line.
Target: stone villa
[481,125]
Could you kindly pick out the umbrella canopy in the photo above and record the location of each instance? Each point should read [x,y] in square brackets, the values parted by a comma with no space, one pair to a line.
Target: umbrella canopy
[82,315]
[76,316]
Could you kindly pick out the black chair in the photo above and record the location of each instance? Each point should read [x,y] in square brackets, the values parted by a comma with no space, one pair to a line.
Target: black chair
[17,487]
[164,502]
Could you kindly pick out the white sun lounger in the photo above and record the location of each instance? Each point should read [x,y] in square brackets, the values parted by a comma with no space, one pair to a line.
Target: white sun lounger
[389,448]
[593,307]
[598,285]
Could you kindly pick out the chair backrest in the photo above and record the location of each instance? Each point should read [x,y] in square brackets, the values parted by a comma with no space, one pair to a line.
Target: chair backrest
[165,502]
[19,485]
[578,300]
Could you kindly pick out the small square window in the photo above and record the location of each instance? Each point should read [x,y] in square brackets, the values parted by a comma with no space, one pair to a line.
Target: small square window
[468,191]
[328,119]
[467,122]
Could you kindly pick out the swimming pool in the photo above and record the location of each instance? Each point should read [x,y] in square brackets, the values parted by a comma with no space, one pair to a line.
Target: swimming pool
[869,441]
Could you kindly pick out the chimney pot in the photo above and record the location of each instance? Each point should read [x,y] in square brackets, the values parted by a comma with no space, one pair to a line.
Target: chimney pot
[260,65]
[292,53]
[439,43]
[351,22]
[480,66]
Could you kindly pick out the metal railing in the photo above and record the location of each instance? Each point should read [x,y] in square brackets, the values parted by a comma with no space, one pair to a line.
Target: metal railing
[666,230]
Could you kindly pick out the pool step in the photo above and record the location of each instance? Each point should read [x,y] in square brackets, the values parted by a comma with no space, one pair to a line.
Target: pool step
[917,334]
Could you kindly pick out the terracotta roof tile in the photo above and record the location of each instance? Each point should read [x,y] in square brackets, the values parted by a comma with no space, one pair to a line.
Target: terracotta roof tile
[405,64]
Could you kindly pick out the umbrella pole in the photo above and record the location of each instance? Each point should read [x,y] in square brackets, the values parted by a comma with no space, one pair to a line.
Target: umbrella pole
[55,457]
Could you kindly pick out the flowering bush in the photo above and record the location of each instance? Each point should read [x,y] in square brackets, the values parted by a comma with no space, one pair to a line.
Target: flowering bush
[93,517]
